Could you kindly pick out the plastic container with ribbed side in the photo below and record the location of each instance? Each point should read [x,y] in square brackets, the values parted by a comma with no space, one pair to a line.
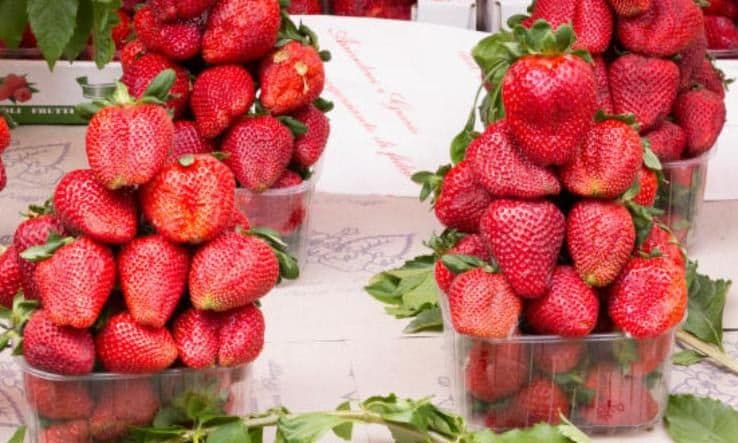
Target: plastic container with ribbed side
[104,406]
[603,383]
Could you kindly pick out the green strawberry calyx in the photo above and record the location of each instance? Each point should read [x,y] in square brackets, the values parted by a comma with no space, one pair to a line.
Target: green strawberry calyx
[289,32]
[35,210]
[294,125]
[441,244]
[288,267]
[17,316]
[460,263]
[430,182]
[45,251]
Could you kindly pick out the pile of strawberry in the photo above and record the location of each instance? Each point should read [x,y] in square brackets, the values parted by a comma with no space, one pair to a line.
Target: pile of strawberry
[4,143]
[248,83]
[720,27]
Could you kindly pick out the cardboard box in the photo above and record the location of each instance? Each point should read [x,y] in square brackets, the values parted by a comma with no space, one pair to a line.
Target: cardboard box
[51,95]
[457,13]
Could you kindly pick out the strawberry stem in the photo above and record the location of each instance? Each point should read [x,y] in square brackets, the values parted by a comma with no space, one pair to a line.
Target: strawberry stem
[709,350]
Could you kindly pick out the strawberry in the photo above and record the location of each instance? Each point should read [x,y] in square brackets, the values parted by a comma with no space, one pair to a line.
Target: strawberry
[187,140]
[291,77]
[153,275]
[58,399]
[549,99]
[4,132]
[86,207]
[661,239]
[483,304]
[141,72]
[592,20]
[170,10]
[666,29]
[305,7]
[607,163]
[221,95]
[178,41]
[33,232]
[543,401]
[649,297]
[167,201]
[601,237]
[288,179]
[690,60]
[75,282]
[630,8]
[3,175]
[22,95]
[240,31]
[472,245]
[505,418]
[504,171]
[721,32]
[114,415]
[196,334]
[132,51]
[238,220]
[310,145]
[701,113]
[569,308]
[58,349]
[604,98]
[232,271]
[122,30]
[618,400]
[494,371]
[127,144]
[11,277]
[260,149]
[648,184]
[461,201]
[126,346]
[653,353]
[558,357]
[241,336]
[75,431]
[726,8]
[668,141]
[645,87]
[525,238]
[710,77]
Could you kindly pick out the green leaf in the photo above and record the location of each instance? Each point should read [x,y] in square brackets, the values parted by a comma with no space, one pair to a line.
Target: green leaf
[691,419]
[13,20]
[19,436]
[233,432]
[345,430]
[323,105]
[459,263]
[78,42]
[47,250]
[460,143]
[294,125]
[157,434]
[429,319]
[161,85]
[687,358]
[650,159]
[169,416]
[104,18]
[706,305]
[539,433]
[288,267]
[568,430]
[256,435]
[308,428]
[53,25]
[87,110]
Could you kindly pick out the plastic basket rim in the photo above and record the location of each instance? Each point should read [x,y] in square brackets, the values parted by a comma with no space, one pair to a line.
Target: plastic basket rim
[702,158]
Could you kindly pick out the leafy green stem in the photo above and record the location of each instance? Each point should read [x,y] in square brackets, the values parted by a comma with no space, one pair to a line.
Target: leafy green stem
[709,350]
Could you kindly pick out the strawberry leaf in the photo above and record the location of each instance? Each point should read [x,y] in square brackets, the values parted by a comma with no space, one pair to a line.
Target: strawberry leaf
[161,85]
[288,267]
[692,419]
[345,430]
[294,125]
[233,432]
[462,141]
[323,105]
[43,252]
[429,319]
[19,436]
[706,305]
[459,263]
[104,18]
[687,358]
[430,182]
[53,25]
[78,42]
[13,20]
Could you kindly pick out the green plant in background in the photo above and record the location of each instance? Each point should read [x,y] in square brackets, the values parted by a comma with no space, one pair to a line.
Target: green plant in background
[62,27]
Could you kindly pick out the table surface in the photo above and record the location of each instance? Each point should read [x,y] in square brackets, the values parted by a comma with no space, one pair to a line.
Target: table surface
[326,339]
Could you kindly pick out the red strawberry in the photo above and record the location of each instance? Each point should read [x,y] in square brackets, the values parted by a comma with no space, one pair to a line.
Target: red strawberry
[138,75]
[525,238]
[153,276]
[604,98]
[287,180]
[3,176]
[483,304]
[86,207]
[220,96]
[601,237]
[504,171]
[710,77]
[187,140]
[646,87]
[58,399]
[630,8]
[462,201]
[726,8]
[11,277]
[721,32]
[305,7]
[127,145]
[543,401]
[690,60]
[569,308]
[196,334]
[241,336]
[290,78]
[558,357]
[33,232]
[592,20]
[4,133]
[122,30]
[666,29]
[473,245]
[131,52]
[57,349]
[648,183]
[126,346]
[310,145]
[76,431]
[240,31]
[260,149]
[167,201]
[232,271]
[668,141]
[75,282]
[178,41]
[649,297]
[607,163]
[22,95]
[661,239]
[701,113]
[122,404]
[169,10]
[239,220]
[504,418]
[618,400]
[494,371]
[653,353]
